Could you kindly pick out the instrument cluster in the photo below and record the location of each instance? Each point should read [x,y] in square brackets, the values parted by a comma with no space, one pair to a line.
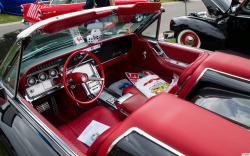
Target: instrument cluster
[42,76]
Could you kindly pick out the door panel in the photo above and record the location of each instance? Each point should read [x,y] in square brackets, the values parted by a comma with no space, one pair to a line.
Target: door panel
[180,53]
[25,139]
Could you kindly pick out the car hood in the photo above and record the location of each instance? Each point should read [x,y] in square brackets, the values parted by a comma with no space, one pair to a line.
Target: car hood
[217,6]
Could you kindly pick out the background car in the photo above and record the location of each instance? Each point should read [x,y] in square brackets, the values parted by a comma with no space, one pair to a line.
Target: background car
[35,12]
[225,25]
[13,6]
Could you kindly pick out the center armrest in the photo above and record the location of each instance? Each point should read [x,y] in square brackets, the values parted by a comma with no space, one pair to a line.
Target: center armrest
[134,100]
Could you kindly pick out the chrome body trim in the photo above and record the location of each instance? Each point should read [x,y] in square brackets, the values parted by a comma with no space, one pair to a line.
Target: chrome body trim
[148,136]
[124,98]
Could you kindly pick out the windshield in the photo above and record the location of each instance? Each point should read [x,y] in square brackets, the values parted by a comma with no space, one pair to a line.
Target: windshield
[215,5]
[6,41]
[66,1]
[46,45]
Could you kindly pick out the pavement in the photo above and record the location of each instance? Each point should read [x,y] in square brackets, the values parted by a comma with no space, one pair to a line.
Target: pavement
[172,9]
[176,9]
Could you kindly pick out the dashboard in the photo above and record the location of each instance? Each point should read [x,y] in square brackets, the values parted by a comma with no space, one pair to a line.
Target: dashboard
[46,78]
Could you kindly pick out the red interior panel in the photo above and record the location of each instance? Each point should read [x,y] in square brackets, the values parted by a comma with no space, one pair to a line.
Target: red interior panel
[134,102]
[73,129]
[180,53]
[184,127]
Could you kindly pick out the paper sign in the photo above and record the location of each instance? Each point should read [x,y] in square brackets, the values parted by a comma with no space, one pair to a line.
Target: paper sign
[151,85]
[75,33]
[91,132]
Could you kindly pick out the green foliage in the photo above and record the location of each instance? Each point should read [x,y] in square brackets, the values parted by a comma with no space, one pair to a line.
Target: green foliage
[4,18]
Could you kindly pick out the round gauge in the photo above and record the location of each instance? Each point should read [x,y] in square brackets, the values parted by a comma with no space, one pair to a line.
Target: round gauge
[53,73]
[31,81]
[42,76]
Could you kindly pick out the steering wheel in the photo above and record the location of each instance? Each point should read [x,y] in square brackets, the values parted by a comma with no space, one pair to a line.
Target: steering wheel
[79,78]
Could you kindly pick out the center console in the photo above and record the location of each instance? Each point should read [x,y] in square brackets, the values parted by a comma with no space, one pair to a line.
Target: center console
[132,100]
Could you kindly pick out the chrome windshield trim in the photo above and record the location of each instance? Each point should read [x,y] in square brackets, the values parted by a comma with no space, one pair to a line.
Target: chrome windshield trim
[148,136]
[54,137]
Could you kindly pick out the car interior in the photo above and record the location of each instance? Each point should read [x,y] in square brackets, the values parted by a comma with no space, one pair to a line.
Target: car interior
[96,83]
[128,53]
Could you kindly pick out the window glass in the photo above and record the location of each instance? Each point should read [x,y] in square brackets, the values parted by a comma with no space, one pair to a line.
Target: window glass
[135,144]
[151,31]
[232,107]
[9,77]
[9,67]
[6,41]
[46,45]
[225,95]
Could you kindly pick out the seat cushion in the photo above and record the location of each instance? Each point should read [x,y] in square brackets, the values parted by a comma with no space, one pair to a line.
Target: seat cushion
[73,129]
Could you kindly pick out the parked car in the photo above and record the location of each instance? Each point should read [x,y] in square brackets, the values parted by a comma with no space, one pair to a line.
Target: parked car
[86,83]
[225,26]
[35,12]
[13,6]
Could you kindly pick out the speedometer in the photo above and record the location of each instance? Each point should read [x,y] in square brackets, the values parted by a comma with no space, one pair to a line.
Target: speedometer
[42,76]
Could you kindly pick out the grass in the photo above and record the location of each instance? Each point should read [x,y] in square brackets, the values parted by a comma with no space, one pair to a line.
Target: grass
[173,40]
[4,18]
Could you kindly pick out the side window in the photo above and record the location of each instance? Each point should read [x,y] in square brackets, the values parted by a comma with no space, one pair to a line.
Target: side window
[151,31]
[9,78]
[9,67]
[135,144]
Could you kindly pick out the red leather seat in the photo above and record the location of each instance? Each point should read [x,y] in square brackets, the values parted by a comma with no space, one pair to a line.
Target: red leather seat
[73,129]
